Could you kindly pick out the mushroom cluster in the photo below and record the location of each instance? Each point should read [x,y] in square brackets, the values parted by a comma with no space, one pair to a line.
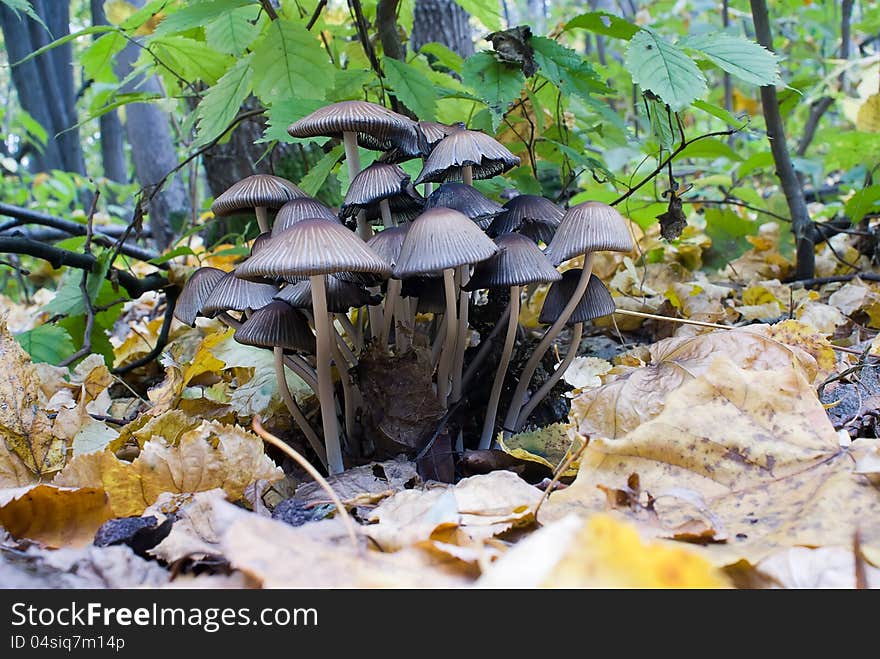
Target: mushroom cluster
[316,292]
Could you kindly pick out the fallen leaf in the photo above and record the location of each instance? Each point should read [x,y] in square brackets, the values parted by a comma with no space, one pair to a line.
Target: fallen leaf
[55,516]
[548,446]
[380,479]
[585,372]
[193,534]
[824,567]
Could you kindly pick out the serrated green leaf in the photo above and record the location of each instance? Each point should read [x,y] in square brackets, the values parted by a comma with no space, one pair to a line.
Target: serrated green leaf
[444,56]
[719,112]
[221,103]
[289,62]
[862,203]
[743,58]
[25,7]
[313,181]
[411,87]
[488,12]
[756,161]
[198,14]
[181,250]
[97,60]
[601,22]
[664,69]
[496,83]
[191,59]
[46,343]
[565,68]
[663,124]
[284,112]
[76,329]
[67,38]
[234,30]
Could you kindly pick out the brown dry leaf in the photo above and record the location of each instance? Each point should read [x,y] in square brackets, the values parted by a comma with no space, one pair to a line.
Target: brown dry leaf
[638,394]
[800,335]
[750,453]
[193,533]
[763,261]
[28,451]
[139,342]
[55,516]
[598,552]
[378,479]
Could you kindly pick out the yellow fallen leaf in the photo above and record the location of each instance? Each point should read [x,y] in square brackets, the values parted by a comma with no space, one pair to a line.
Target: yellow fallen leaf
[809,339]
[598,552]
[868,117]
[138,343]
[55,516]
[548,446]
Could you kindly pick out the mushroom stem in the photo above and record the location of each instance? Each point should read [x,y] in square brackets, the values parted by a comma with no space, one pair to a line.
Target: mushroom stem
[541,394]
[352,157]
[377,318]
[429,187]
[485,348]
[294,409]
[467,175]
[228,320]
[324,337]
[344,350]
[401,313]
[495,395]
[392,297]
[348,400]
[301,367]
[528,371]
[387,218]
[439,339]
[464,298]
[351,331]
[262,218]
[446,358]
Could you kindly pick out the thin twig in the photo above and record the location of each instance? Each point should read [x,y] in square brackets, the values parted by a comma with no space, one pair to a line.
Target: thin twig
[171,294]
[316,14]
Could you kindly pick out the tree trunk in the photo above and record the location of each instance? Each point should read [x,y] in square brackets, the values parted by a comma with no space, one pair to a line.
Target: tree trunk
[45,84]
[446,23]
[112,142]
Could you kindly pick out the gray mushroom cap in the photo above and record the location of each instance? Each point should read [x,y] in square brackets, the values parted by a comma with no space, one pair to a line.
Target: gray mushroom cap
[277,325]
[373,184]
[257,190]
[531,215]
[595,303]
[195,293]
[298,210]
[467,200]
[589,227]
[341,295]
[486,156]
[518,262]
[388,242]
[233,294]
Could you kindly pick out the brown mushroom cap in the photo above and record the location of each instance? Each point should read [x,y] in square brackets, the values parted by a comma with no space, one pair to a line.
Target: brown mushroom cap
[485,155]
[298,210]
[341,295]
[596,301]
[313,247]
[374,183]
[532,216]
[194,294]
[257,190]
[441,238]
[277,325]
[589,227]
[467,200]
[377,127]
[233,294]
[519,262]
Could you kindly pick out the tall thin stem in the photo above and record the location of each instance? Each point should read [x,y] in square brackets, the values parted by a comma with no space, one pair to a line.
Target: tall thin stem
[451,332]
[392,298]
[348,404]
[485,348]
[512,313]
[294,409]
[387,217]
[467,174]
[324,337]
[464,298]
[262,218]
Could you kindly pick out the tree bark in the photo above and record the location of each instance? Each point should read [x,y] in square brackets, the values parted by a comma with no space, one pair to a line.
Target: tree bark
[112,141]
[386,26]
[801,225]
[44,84]
[446,23]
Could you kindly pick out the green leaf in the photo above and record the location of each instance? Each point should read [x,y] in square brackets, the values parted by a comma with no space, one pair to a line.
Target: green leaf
[190,59]
[234,30]
[46,343]
[24,6]
[121,99]
[76,329]
[222,102]
[743,58]
[444,56]
[488,12]
[67,38]
[663,124]
[756,161]
[181,250]
[565,68]
[289,62]
[197,14]
[663,68]
[284,112]
[68,298]
[862,203]
[601,22]
[313,181]
[719,112]
[496,83]
[709,147]
[727,231]
[97,60]
[411,87]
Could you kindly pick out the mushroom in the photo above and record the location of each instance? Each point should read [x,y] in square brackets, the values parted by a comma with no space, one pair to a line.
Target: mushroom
[315,248]
[518,263]
[595,303]
[194,294]
[586,228]
[467,200]
[353,121]
[300,209]
[442,239]
[372,188]
[260,191]
[466,154]
[387,244]
[530,215]
[279,327]
[233,294]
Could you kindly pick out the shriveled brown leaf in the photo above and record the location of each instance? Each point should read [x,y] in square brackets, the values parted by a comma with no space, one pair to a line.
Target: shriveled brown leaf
[378,479]
[193,534]
[55,516]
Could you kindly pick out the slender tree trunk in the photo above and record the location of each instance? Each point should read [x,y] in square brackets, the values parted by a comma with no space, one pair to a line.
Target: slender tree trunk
[386,26]
[112,140]
[801,225]
[445,22]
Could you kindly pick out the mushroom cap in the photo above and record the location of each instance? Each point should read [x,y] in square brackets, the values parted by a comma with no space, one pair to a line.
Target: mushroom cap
[429,291]
[314,246]
[467,200]
[589,227]
[341,295]
[297,210]
[596,301]
[257,190]
[374,183]
[387,243]
[441,238]
[531,215]
[377,127]
[260,242]
[434,131]
[487,157]
[233,294]
[277,325]
[194,294]
[518,262]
